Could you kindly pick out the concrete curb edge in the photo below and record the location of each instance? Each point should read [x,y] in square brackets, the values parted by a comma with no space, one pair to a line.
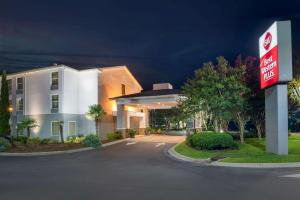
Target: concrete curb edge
[256,165]
[172,152]
[48,153]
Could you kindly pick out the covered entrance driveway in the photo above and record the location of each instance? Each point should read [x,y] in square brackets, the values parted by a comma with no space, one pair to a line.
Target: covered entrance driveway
[132,110]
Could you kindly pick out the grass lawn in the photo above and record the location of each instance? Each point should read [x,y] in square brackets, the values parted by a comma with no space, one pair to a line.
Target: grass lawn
[251,152]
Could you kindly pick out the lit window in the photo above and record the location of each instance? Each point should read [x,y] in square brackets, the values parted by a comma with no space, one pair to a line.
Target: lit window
[123,89]
[55,102]
[20,104]
[55,128]
[20,83]
[72,128]
[54,80]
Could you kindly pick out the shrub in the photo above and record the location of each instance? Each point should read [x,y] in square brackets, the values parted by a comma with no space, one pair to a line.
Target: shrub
[158,131]
[132,133]
[4,144]
[75,139]
[34,140]
[21,139]
[149,130]
[212,141]
[247,134]
[91,141]
[114,136]
[188,140]
[45,141]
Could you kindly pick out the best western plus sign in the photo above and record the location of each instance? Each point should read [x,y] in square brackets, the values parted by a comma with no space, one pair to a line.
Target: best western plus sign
[275,52]
[268,47]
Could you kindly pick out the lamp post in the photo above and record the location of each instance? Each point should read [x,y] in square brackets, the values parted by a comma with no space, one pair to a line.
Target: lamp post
[10,110]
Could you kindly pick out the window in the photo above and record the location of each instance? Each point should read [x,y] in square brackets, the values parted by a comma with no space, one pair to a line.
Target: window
[20,104]
[123,89]
[20,83]
[72,127]
[9,82]
[54,80]
[55,128]
[55,102]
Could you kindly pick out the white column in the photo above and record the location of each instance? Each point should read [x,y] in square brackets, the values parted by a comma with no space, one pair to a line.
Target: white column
[121,118]
[143,121]
[146,117]
[276,106]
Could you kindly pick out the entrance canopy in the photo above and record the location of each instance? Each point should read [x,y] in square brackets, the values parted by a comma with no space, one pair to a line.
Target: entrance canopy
[163,96]
[152,99]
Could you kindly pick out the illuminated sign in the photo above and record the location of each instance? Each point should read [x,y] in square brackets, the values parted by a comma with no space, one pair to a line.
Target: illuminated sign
[275,55]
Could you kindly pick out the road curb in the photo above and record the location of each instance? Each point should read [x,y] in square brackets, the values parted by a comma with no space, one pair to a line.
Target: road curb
[172,152]
[256,165]
[115,142]
[48,153]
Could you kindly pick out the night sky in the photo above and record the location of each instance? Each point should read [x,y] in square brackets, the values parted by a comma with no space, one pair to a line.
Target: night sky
[160,41]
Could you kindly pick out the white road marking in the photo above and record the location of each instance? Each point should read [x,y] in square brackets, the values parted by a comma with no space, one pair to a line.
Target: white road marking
[160,144]
[130,143]
[291,176]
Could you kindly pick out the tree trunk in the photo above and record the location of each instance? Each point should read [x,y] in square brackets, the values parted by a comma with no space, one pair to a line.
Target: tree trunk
[241,123]
[61,132]
[28,133]
[242,130]
[216,125]
[97,128]
[258,128]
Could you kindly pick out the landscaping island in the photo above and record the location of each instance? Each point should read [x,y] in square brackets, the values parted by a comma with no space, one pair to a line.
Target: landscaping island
[253,151]
[23,144]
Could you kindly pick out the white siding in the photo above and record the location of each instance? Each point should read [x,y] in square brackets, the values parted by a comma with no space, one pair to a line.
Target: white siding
[37,92]
[70,91]
[88,89]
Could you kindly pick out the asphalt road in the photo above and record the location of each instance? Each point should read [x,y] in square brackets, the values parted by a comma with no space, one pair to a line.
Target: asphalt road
[140,170]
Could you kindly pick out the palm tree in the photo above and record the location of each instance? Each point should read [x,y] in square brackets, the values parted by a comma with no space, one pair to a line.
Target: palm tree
[27,123]
[96,113]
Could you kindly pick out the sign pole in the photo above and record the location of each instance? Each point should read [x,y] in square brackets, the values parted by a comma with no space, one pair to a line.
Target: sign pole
[275,49]
[276,110]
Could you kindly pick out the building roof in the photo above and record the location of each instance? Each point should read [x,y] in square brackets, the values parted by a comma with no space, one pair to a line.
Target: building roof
[54,66]
[149,93]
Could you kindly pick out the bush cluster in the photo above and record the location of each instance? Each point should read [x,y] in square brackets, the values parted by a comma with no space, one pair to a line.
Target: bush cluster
[4,144]
[75,139]
[210,141]
[150,130]
[132,133]
[91,141]
[21,139]
[114,136]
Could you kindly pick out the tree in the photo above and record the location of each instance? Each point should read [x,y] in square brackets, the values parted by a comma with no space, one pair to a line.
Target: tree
[27,124]
[96,113]
[61,131]
[210,91]
[4,107]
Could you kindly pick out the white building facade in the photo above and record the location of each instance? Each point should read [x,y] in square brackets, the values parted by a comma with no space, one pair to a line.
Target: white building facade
[60,93]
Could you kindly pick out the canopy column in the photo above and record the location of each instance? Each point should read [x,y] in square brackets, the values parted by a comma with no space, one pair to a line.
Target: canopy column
[121,117]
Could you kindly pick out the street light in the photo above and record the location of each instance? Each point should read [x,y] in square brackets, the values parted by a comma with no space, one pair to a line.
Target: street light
[10,109]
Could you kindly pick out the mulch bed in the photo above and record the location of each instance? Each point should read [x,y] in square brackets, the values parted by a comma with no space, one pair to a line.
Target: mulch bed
[22,148]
